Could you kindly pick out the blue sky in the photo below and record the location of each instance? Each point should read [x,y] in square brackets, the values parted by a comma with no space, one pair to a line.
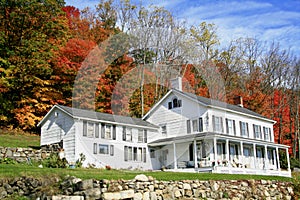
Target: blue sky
[267,20]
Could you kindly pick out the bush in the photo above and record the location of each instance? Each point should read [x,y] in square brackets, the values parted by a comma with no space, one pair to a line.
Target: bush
[54,161]
[80,161]
[7,161]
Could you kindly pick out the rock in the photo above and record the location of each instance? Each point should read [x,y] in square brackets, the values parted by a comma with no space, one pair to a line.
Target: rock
[177,193]
[146,196]
[84,185]
[138,196]
[186,186]
[127,194]
[141,178]
[153,196]
[63,197]
[111,196]
[93,193]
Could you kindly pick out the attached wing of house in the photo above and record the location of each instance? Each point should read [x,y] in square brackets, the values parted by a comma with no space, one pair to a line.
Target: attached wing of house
[201,134]
[104,139]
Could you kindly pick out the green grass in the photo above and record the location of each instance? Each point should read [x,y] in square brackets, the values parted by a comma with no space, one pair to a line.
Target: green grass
[17,170]
[18,139]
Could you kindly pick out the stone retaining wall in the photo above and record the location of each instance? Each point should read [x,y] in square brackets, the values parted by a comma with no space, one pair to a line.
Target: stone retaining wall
[26,154]
[144,188]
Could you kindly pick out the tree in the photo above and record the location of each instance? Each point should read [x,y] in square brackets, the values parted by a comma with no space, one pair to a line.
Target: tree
[30,34]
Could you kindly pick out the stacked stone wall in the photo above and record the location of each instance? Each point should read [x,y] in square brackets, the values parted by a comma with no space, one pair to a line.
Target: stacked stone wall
[28,154]
[144,188]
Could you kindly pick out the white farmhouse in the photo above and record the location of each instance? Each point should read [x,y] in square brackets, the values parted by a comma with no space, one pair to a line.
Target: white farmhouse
[182,132]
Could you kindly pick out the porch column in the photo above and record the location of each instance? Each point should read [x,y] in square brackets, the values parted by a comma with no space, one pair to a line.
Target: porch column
[242,153]
[175,158]
[266,160]
[195,155]
[288,159]
[254,155]
[215,151]
[277,159]
[227,153]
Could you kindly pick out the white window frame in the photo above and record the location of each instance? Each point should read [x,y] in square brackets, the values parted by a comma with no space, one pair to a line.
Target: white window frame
[230,126]
[103,149]
[244,129]
[217,124]
[257,131]
[164,131]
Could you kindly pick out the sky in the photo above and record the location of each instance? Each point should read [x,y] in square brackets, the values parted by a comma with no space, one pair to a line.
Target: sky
[266,20]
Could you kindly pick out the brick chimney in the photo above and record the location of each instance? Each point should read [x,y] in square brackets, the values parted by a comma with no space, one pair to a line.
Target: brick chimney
[238,100]
[176,83]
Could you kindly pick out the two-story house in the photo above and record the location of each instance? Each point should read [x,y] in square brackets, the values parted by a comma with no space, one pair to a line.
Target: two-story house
[182,132]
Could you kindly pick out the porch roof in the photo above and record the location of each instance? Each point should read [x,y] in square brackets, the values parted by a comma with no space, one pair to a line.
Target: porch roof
[211,135]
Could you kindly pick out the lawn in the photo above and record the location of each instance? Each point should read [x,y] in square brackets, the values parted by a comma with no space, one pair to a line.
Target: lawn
[17,170]
[18,139]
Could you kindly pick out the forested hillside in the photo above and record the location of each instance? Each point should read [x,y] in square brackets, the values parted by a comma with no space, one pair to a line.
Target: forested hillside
[119,57]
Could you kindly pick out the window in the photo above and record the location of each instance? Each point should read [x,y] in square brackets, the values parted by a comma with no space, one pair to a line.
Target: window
[267,133]
[108,131]
[152,153]
[217,124]
[112,150]
[84,131]
[103,149]
[95,148]
[195,125]
[90,129]
[164,130]
[175,103]
[257,131]
[230,127]
[135,154]
[142,135]
[127,134]
[244,129]
[247,152]
[129,153]
[188,126]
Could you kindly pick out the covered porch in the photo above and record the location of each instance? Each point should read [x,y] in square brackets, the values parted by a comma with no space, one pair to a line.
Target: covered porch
[219,153]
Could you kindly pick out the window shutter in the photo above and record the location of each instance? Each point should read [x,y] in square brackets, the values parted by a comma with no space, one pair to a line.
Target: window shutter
[222,128]
[111,150]
[124,133]
[214,123]
[200,124]
[234,130]
[188,126]
[254,132]
[114,132]
[241,129]
[144,154]
[247,129]
[170,105]
[95,148]
[125,153]
[102,130]
[227,128]
[97,131]
[84,128]
[145,136]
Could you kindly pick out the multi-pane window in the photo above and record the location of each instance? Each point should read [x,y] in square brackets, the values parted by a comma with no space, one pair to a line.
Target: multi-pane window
[90,129]
[257,131]
[108,131]
[244,129]
[230,127]
[142,135]
[267,133]
[188,126]
[195,125]
[127,134]
[103,149]
[135,154]
[164,130]
[175,103]
[152,153]
[217,124]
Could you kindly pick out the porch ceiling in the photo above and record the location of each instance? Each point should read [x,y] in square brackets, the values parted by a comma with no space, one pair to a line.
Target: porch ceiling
[211,135]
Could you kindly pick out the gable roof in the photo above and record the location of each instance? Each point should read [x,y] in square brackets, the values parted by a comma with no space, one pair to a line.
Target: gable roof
[101,117]
[212,104]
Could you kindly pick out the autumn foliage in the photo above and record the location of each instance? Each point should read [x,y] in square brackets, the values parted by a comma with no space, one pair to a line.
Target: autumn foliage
[48,49]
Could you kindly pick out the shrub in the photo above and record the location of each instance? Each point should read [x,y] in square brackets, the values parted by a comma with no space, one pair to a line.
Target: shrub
[7,161]
[54,161]
[80,161]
